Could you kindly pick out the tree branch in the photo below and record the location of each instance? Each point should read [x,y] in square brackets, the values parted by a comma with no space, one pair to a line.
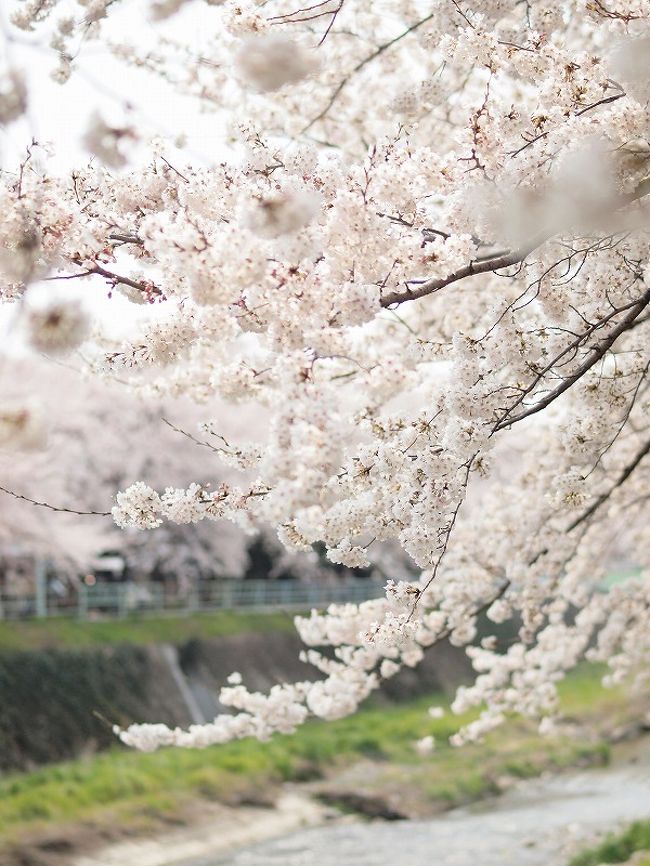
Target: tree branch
[147,288]
[573,346]
[503,260]
[622,478]
[596,353]
[54,507]
[476,266]
[360,66]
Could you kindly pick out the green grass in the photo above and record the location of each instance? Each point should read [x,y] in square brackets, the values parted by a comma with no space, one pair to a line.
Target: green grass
[131,784]
[73,634]
[619,577]
[618,847]
[74,790]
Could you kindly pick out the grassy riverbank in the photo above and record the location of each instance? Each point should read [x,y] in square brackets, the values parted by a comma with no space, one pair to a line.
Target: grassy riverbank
[66,633]
[631,845]
[136,790]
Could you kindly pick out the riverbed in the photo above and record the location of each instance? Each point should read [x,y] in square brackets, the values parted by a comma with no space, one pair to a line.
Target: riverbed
[538,822]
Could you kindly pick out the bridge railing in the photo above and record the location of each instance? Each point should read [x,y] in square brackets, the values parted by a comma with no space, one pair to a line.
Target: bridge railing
[123,599]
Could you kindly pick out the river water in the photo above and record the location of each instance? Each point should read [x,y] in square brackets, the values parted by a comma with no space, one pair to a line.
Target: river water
[538,822]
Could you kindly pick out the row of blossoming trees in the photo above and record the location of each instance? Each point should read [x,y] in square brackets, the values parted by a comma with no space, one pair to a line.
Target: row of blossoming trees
[426,264]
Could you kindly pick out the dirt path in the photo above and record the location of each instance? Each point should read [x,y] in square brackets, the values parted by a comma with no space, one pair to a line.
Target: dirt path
[222,829]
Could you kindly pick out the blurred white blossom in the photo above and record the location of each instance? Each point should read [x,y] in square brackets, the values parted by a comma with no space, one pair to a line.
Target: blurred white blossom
[270,61]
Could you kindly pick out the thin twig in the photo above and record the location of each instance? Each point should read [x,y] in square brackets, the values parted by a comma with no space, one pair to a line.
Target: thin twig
[622,478]
[191,437]
[360,66]
[595,354]
[54,507]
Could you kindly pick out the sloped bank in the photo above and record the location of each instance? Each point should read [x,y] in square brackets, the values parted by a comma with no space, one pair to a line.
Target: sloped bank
[57,704]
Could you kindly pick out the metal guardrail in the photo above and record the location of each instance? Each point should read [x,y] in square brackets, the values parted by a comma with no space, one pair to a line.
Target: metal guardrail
[123,599]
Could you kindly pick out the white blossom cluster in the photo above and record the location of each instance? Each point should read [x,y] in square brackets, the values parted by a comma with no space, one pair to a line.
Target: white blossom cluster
[54,324]
[13,96]
[22,426]
[272,60]
[427,268]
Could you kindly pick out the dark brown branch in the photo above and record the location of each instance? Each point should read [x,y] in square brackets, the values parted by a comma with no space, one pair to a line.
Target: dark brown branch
[512,257]
[622,478]
[310,13]
[169,165]
[125,238]
[606,100]
[572,349]
[287,17]
[596,353]
[476,266]
[331,22]
[147,288]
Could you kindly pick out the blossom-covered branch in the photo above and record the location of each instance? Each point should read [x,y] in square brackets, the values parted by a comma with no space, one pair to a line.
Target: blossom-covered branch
[500,152]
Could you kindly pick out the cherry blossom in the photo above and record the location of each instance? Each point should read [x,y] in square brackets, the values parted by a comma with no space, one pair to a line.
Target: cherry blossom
[423,268]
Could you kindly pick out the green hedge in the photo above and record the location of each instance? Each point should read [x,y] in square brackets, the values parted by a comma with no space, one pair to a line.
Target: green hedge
[50,701]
